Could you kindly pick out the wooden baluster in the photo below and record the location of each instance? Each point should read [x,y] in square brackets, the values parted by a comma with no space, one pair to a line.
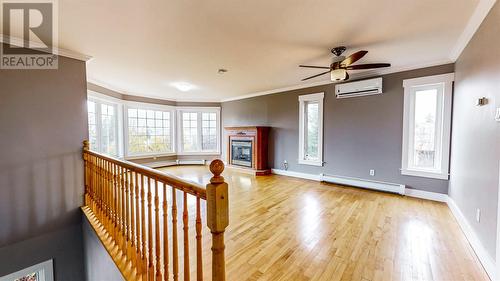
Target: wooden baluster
[92,180]
[105,192]
[99,188]
[151,272]
[132,220]
[217,218]
[110,198]
[165,233]
[143,229]
[115,203]
[123,226]
[138,262]
[127,212]
[118,207]
[175,251]
[157,232]
[199,261]
[186,238]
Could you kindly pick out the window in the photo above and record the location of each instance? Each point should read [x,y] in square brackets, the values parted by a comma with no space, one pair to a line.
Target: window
[426,128]
[149,130]
[311,129]
[103,126]
[189,131]
[199,130]
[209,131]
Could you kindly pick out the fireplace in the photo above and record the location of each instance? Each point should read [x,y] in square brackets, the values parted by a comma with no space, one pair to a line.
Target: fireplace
[241,153]
[247,149]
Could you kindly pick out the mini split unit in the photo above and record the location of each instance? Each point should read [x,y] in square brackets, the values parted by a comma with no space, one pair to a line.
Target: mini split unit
[359,88]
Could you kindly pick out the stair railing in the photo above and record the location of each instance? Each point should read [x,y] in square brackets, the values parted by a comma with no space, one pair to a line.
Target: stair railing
[134,210]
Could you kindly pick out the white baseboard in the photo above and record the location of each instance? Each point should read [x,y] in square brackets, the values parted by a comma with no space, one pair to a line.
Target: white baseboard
[486,260]
[296,174]
[434,196]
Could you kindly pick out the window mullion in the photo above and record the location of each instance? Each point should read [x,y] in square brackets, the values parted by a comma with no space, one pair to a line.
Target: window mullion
[200,130]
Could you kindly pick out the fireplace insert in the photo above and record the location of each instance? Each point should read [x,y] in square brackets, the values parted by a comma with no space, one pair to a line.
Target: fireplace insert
[241,153]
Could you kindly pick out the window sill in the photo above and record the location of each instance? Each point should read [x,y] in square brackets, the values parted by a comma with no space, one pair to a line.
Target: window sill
[424,174]
[311,163]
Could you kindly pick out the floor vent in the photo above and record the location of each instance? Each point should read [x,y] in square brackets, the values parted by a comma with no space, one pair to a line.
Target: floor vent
[369,184]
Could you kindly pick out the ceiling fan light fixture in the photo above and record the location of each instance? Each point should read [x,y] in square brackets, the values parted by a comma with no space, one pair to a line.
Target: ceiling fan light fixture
[338,75]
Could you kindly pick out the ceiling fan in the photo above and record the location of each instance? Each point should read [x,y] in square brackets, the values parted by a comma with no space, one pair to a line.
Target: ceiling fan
[338,69]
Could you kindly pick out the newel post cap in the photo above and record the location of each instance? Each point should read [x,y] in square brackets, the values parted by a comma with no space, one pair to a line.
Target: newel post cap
[217,167]
[86,145]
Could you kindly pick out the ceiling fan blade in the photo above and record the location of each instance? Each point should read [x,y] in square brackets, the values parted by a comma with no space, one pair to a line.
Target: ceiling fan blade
[353,58]
[316,75]
[313,66]
[367,66]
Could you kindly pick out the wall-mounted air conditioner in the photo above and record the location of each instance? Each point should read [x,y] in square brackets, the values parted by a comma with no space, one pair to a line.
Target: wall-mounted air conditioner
[359,88]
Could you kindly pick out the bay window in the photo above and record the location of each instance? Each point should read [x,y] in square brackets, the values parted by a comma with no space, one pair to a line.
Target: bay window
[426,127]
[103,126]
[311,129]
[149,130]
[133,129]
[199,130]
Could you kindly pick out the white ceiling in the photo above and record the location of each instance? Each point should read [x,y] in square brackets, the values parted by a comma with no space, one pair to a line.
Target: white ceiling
[140,47]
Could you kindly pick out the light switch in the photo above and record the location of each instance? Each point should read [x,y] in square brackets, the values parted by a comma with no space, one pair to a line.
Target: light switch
[497,115]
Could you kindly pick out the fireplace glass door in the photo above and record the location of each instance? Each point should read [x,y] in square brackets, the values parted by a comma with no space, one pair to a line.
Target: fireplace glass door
[241,153]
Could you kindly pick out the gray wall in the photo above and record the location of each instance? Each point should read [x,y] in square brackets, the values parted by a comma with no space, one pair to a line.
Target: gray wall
[475,151]
[98,263]
[359,133]
[64,246]
[42,126]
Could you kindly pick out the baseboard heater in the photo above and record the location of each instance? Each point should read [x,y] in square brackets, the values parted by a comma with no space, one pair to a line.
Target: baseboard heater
[191,162]
[369,184]
[160,164]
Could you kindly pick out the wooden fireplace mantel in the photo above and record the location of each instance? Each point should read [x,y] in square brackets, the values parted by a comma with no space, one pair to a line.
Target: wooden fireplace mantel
[258,135]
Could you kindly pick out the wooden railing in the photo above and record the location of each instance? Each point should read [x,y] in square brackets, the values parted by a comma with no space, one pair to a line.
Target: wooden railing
[128,206]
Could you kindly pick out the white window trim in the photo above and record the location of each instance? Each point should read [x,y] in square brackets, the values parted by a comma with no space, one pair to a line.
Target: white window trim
[46,268]
[444,121]
[117,103]
[199,110]
[319,97]
[150,106]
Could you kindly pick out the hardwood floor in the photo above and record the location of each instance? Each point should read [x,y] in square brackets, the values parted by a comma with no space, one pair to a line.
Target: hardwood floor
[283,228]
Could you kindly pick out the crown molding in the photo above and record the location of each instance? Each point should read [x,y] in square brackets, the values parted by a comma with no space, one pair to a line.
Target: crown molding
[478,16]
[19,42]
[366,74]
[127,93]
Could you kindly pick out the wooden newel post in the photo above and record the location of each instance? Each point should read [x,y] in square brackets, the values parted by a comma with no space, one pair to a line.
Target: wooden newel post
[217,218]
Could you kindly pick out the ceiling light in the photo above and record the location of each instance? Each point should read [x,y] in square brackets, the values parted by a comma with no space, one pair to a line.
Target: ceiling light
[183,86]
[338,74]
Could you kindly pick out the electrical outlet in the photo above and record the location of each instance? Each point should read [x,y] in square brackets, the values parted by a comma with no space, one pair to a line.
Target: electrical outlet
[478,215]
[372,172]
